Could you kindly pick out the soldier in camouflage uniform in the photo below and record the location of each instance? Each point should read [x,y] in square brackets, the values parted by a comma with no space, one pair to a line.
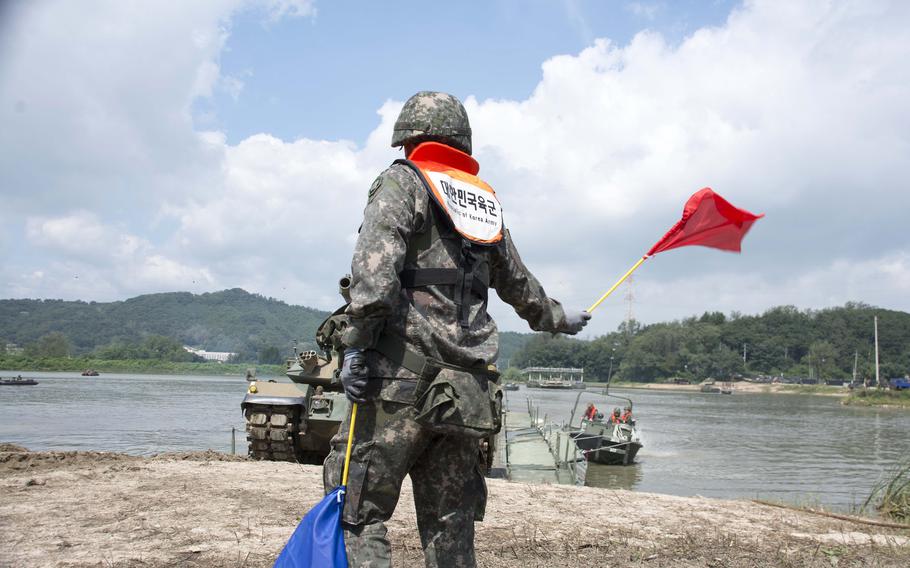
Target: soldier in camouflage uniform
[403,333]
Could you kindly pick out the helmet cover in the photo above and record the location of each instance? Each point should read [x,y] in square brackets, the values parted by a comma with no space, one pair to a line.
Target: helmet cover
[433,116]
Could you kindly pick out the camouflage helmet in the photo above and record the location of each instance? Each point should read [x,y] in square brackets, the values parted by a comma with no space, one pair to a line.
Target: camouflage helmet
[433,116]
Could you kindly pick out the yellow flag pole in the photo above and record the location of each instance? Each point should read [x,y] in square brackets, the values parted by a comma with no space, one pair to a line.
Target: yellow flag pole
[347,454]
[618,282]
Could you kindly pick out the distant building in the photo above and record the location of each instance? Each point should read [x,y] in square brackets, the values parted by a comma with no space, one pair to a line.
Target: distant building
[13,349]
[554,377]
[219,356]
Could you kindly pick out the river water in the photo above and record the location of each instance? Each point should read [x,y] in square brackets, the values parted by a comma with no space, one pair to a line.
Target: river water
[801,449]
[795,448]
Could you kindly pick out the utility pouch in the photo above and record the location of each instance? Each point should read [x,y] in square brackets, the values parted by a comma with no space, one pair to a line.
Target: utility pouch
[460,403]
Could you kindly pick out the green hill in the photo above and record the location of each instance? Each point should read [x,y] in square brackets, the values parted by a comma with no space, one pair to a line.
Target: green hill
[231,320]
[510,342]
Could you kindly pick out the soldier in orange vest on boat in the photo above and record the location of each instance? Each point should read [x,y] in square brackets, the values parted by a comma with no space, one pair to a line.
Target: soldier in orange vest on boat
[615,418]
[627,415]
[591,412]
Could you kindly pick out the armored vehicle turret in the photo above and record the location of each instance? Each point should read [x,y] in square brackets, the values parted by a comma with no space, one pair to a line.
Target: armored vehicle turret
[295,421]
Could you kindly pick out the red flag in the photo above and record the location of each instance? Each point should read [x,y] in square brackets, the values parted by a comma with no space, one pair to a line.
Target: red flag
[708,220]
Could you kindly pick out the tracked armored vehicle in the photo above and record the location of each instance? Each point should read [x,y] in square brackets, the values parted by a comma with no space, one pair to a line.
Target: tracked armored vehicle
[295,421]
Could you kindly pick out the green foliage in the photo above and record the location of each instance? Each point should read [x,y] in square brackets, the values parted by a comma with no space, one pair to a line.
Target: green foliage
[821,358]
[271,356]
[878,397]
[509,343]
[782,340]
[230,320]
[510,375]
[53,344]
[156,347]
[892,494]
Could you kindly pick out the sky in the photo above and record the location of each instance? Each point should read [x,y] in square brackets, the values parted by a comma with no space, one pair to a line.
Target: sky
[158,146]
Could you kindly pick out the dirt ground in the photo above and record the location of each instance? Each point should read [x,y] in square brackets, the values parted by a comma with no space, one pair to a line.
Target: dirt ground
[80,509]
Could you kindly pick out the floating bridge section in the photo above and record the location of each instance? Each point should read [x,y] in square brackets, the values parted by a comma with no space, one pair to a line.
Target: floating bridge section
[533,450]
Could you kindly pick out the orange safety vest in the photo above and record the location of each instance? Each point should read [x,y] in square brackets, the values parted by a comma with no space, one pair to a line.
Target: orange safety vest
[450,177]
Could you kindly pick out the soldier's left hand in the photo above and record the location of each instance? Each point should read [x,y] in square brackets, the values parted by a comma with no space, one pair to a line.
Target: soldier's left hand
[575,321]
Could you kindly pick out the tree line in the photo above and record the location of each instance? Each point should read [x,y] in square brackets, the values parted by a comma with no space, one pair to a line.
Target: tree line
[783,340]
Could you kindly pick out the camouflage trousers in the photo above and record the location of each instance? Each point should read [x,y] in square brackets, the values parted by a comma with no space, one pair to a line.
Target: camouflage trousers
[449,487]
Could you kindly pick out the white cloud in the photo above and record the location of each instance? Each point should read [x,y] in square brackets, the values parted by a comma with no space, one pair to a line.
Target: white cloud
[82,235]
[89,257]
[793,109]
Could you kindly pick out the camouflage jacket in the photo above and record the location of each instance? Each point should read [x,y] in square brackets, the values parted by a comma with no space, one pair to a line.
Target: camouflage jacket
[399,209]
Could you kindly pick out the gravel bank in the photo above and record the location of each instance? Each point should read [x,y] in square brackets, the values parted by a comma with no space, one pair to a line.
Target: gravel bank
[206,509]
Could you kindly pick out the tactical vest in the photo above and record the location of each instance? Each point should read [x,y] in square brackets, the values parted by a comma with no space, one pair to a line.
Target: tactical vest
[465,209]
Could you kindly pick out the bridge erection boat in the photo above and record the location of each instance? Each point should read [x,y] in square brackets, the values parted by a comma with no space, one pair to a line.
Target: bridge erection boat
[607,442]
[613,439]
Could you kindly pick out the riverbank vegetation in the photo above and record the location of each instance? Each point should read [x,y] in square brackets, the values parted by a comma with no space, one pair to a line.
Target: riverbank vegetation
[22,363]
[152,354]
[878,397]
[891,497]
[808,344]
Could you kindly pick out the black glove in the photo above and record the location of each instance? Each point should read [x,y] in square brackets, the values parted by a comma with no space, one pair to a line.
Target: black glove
[355,376]
[575,321]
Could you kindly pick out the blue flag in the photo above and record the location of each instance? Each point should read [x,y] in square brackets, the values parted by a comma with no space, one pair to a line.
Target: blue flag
[318,541]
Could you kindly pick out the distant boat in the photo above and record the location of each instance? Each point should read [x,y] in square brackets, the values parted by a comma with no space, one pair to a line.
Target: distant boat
[90,373]
[18,382]
[709,386]
[510,387]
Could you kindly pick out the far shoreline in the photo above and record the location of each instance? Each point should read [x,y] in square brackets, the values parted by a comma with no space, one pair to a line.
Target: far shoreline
[23,365]
[738,387]
[11,366]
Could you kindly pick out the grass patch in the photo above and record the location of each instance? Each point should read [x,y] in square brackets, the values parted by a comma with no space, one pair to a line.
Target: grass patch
[891,496]
[812,389]
[877,397]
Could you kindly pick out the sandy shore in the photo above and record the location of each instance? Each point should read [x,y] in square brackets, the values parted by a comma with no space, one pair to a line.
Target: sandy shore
[204,509]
